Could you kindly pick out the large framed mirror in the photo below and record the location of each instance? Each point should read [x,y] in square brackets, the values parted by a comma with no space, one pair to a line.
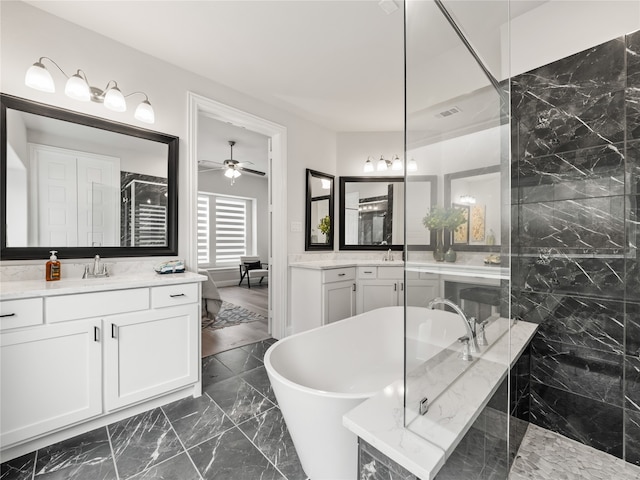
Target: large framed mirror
[319,212]
[84,185]
[478,193]
[372,212]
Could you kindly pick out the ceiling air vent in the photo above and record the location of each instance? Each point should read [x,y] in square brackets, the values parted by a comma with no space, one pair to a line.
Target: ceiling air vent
[448,113]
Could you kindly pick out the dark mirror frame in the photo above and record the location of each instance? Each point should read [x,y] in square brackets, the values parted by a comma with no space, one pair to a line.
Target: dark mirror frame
[432,179]
[448,177]
[308,245]
[30,253]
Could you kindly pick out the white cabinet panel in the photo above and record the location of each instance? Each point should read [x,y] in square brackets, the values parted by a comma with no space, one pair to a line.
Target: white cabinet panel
[63,308]
[150,353]
[374,294]
[339,301]
[24,312]
[51,377]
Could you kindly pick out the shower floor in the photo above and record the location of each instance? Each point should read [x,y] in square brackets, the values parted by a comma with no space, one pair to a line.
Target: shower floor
[545,455]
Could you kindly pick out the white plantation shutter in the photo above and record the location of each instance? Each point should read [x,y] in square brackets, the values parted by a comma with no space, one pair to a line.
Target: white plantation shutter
[223,229]
[203,230]
[231,230]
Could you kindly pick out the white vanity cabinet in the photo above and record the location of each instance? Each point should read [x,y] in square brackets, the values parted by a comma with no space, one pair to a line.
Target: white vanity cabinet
[73,360]
[321,296]
[51,377]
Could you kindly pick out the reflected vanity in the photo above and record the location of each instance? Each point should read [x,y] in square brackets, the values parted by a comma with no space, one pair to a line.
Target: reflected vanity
[372,212]
[83,185]
[319,215]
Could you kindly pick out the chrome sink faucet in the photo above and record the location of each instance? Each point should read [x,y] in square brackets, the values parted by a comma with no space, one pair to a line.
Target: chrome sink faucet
[388,256]
[469,324]
[98,270]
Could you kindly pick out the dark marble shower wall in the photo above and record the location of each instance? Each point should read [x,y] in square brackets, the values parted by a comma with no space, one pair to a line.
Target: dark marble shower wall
[575,271]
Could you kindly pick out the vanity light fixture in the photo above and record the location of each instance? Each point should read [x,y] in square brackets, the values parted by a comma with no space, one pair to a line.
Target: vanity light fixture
[326,183]
[412,166]
[78,88]
[468,199]
[383,164]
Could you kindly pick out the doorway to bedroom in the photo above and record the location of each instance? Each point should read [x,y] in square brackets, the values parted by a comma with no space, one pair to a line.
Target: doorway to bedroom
[233,234]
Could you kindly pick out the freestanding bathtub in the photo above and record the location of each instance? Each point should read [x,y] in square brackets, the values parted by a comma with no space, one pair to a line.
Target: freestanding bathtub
[321,374]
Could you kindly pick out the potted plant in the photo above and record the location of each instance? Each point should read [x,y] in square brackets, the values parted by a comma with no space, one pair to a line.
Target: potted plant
[440,219]
[325,226]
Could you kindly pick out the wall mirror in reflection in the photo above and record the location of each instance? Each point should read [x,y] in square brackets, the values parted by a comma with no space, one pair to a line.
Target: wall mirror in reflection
[319,211]
[372,212]
[77,182]
[477,193]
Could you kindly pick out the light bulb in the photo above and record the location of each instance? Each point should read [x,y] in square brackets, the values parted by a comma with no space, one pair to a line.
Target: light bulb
[114,100]
[396,164]
[368,166]
[77,88]
[232,173]
[38,77]
[382,164]
[145,113]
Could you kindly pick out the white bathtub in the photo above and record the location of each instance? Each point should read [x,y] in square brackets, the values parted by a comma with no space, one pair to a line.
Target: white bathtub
[321,374]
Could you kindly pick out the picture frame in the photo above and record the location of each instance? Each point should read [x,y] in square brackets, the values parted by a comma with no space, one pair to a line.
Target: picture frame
[460,236]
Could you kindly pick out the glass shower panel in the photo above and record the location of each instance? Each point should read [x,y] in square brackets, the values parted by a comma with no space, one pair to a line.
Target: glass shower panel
[457,327]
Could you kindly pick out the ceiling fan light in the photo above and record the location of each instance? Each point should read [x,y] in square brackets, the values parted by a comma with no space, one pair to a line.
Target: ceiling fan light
[382,164]
[396,164]
[114,100]
[145,112]
[77,88]
[38,77]
[232,173]
[368,166]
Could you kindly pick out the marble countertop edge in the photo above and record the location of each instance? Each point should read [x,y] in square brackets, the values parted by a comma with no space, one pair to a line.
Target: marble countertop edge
[12,290]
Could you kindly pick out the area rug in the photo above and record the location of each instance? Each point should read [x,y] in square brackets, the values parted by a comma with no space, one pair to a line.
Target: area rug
[231,314]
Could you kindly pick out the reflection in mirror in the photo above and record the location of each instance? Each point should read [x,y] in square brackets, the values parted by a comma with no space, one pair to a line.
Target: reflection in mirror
[84,185]
[372,212]
[319,215]
[477,193]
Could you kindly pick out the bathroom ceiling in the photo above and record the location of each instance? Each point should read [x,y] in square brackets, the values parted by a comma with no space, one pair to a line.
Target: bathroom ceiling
[339,64]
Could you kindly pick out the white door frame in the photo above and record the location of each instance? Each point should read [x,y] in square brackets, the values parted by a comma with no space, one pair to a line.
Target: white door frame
[277,195]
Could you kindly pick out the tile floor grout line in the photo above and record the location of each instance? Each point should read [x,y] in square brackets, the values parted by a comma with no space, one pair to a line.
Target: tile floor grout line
[113,453]
[186,451]
[256,446]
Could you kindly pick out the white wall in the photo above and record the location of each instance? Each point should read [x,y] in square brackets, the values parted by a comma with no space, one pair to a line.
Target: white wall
[27,33]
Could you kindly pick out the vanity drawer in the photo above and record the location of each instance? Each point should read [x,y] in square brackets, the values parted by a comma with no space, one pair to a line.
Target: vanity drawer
[170,295]
[367,272]
[338,274]
[97,304]
[24,312]
[393,273]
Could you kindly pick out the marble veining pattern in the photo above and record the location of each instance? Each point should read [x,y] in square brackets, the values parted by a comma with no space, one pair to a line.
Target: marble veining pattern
[633,86]
[545,455]
[20,468]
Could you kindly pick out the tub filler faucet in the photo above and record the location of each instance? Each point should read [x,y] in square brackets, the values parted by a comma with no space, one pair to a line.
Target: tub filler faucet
[470,340]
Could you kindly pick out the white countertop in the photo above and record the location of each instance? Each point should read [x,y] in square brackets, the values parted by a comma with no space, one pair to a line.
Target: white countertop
[423,447]
[12,290]
[461,269]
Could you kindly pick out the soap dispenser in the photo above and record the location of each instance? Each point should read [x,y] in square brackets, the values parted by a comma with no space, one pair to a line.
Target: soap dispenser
[53,267]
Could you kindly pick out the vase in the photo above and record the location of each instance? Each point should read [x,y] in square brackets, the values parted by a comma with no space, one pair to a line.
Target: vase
[451,255]
[438,252]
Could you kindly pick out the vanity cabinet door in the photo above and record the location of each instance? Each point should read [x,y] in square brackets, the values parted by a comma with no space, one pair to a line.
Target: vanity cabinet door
[421,288]
[150,353]
[374,294]
[51,378]
[339,301]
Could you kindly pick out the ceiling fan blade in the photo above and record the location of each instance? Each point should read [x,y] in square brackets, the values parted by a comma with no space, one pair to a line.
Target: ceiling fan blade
[210,162]
[249,170]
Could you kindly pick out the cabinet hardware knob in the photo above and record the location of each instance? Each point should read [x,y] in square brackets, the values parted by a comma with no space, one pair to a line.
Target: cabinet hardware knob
[96,334]
[8,315]
[114,330]
[177,295]
[395,287]
[341,274]
[354,287]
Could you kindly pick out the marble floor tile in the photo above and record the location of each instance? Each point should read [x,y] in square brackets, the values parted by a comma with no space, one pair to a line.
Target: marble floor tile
[20,468]
[239,400]
[179,467]
[259,380]
[196,419]
[545,455]
[239,360]
[213,371]
[258,349]
[231,456]
[269,433]
[84,456]
[143,441]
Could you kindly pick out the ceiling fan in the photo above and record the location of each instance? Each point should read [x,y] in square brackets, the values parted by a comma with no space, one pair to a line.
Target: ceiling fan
[232,168]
